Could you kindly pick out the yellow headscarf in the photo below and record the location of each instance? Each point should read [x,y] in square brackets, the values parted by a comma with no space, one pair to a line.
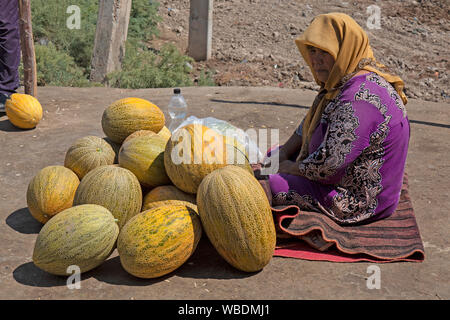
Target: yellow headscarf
[339,35]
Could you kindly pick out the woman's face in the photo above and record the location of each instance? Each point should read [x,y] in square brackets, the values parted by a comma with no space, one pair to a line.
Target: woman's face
[322,62]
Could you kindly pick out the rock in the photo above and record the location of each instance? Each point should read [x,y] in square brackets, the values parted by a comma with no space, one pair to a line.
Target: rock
[172,12]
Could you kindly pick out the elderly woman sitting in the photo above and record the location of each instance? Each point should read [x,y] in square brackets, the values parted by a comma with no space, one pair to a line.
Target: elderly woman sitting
[347,157]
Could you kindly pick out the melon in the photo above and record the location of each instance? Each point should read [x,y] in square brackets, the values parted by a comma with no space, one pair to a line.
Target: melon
[125,116]
[158,241]
[155,204]
[51,191]
[165,133]
[237,218]
[168,192]
[82,236]
[115,188]
[194,151]
[88,153]
[144,156]
[139,133]
[23,110]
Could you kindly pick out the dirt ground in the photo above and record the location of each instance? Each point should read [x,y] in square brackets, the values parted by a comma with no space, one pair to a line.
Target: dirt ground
[71,113]
[253,40]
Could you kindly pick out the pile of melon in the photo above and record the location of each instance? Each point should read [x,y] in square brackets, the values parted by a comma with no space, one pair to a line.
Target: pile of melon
[130,191]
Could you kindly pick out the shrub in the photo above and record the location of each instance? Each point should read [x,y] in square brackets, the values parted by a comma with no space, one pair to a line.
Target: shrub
[64,55]
[142,68]
[49,25]
[206,79]
[57,68]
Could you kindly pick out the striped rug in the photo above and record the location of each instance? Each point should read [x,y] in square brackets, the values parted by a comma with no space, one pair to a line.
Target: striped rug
[315,236]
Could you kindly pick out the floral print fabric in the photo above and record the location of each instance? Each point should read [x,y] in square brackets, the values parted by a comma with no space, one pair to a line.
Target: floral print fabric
[356,156]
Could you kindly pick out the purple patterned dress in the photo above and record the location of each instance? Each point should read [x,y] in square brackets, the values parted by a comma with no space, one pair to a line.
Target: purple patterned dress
[357,156]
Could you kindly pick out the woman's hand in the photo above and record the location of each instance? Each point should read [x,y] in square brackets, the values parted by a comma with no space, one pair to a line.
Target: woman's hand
[289,167]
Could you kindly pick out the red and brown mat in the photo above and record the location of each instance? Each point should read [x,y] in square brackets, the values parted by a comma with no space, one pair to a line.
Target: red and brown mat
[315,236]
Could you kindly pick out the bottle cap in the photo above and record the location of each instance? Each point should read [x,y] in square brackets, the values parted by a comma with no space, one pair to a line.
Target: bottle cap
[177,91]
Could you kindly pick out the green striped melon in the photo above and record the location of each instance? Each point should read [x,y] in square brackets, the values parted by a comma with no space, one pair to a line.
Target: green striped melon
[88,153]
[83,236]
[115,188]
[237,218]
[158,241]
[194,151]
[144,156]
[51,191]
[125,116]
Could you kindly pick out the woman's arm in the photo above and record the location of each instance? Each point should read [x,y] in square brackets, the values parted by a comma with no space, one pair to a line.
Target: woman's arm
[349,132]
[291,147]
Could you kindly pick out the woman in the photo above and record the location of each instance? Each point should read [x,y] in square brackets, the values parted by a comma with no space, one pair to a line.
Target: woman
[347,157]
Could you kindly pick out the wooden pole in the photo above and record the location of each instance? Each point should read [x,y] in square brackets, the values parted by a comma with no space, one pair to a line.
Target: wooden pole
[27,48]
[110,37]
[200,29]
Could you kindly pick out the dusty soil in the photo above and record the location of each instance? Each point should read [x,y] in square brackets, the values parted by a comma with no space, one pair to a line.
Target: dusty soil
[262,33]
[253,40]
[71,113]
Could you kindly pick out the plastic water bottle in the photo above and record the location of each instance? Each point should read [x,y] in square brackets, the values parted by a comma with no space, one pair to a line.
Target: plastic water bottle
[177,109]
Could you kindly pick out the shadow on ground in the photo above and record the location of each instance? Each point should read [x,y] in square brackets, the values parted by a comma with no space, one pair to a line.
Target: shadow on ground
[205,263]
[266,103]
[112,272]
[30,275]
[7,126]
[109,271]
[434,124]
[22,221]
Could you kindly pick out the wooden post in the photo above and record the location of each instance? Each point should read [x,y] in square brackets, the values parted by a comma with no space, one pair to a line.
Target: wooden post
[27,48]
[110,37]
[200,29]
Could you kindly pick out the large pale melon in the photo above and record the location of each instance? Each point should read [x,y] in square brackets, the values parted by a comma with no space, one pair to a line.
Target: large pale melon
[237,218]
[144,156]
[51,191]
[158,241]
[115,188]
[194,151]
[82,236]
[125,116]
[88,153]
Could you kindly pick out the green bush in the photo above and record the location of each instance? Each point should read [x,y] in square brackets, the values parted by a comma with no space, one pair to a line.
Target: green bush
[49,25]
[143,20]
[57,68]
[145,69]
[206,79]
[64,55]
